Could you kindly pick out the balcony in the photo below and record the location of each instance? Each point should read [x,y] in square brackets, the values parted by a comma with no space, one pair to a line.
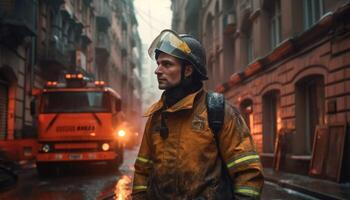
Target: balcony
[19,16]
[65,7]
[87,2]
[103,15]
[245,4]
[86,36]
[55,57]
[55,2]
[124,44]
[103,47]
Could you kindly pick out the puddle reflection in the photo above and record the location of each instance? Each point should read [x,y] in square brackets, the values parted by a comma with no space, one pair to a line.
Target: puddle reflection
[123,188]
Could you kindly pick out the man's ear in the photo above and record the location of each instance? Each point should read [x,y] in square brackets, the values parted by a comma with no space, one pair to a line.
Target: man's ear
[188,70]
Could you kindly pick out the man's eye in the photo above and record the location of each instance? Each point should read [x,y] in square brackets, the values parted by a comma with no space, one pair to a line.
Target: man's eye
[166,64]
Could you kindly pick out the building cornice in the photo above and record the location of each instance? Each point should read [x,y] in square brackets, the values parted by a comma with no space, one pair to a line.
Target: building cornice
[288,47]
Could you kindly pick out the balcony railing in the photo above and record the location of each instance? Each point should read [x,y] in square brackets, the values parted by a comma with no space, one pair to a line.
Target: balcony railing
[19,14]
[86,36]
[55,53]
[103,15]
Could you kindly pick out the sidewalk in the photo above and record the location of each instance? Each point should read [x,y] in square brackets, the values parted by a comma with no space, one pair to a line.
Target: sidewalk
[318,188]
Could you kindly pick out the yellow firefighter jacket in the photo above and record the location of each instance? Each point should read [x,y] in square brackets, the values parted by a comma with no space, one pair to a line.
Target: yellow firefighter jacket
[187,164]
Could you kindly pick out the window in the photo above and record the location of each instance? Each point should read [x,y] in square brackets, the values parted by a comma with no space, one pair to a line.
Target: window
[271,120]
[313,10]
[210,47]
[209,33]
[249,46]
[246,38]
[75,102]
[310,101]
[3,109]
[275,24]
[217,24]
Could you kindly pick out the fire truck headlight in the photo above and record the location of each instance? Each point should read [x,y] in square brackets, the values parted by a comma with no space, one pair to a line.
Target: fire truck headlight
[105,146]
[46,148]
[121,133]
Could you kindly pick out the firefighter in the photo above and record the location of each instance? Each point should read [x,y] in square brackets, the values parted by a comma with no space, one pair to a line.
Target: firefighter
[179,157]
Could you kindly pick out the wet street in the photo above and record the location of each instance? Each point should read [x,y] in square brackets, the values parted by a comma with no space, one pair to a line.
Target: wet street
[95,182]
[88,182]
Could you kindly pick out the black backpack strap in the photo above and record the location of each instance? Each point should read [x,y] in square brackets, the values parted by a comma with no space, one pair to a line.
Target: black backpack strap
[216,111]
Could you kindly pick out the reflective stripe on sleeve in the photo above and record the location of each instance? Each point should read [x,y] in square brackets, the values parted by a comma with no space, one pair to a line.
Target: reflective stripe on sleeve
[247,191]
[139,187]
[144,160]
[246,158]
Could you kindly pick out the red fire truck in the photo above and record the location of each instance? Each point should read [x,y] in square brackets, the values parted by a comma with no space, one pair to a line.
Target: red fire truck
[78,121]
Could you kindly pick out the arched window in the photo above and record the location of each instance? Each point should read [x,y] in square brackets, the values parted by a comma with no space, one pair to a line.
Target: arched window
[271,119]
[310,112]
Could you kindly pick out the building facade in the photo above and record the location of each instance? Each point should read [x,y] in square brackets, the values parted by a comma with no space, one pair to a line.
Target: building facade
[40,40]
[286,66]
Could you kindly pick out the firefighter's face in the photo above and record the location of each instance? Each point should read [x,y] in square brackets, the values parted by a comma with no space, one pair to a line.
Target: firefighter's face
[169,71]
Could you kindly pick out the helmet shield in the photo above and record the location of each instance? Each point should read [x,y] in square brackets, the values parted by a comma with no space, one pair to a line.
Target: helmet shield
[169,42]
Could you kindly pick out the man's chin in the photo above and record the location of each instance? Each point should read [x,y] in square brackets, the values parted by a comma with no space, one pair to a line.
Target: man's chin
[161,87]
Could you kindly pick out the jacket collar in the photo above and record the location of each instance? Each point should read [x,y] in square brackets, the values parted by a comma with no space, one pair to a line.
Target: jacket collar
[183,104]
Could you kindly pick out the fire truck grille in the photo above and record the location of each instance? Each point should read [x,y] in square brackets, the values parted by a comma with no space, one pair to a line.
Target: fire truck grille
[76,147]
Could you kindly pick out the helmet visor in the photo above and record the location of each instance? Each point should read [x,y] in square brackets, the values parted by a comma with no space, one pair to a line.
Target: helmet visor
[169,42]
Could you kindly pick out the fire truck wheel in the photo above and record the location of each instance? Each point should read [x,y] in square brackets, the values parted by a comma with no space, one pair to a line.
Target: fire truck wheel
[43,169]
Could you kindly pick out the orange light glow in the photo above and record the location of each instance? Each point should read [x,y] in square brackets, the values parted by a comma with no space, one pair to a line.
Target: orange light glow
[123,188]
[121,133]
[51,83]
[79,76]
[251,123]
[279,123]
[68,76]
[99,83]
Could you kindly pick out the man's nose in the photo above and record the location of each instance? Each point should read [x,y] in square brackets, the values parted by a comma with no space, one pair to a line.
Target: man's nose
[158,70]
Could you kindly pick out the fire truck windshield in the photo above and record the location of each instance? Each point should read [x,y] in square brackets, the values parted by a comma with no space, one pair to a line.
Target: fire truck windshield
[74,102]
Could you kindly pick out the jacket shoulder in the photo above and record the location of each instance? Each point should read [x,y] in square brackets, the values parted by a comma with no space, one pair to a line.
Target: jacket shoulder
[231,110]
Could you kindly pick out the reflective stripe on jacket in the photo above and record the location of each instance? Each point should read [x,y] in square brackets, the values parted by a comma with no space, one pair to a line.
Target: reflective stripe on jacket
[187,164]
